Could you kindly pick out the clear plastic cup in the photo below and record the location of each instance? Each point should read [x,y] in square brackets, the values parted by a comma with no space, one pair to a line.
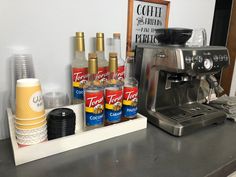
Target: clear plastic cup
[24,67]
[55,99]
[21,67]
[198,38]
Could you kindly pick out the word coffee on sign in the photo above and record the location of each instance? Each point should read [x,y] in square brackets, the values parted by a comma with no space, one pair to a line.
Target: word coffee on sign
[147,17]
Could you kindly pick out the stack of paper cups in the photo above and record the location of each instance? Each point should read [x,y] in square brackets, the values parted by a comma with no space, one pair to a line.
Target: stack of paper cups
[30,120]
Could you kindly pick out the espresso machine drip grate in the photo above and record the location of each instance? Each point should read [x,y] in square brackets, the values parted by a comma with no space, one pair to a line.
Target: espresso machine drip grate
[187,112]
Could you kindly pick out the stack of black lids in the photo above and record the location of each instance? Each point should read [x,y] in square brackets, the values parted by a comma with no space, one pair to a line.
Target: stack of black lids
[60,122]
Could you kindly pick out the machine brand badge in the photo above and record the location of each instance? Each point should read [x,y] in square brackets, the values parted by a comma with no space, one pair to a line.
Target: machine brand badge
[79,78]
[121,73]
[94,106]
[130,101]
[113,106]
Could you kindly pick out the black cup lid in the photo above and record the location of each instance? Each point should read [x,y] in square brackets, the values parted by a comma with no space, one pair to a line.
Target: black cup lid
[61,113]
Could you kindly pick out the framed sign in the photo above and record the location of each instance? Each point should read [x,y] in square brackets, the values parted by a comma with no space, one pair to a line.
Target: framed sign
[144,16]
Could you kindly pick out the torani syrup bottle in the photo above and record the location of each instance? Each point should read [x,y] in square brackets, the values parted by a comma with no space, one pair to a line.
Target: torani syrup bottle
[93,96]
[130,93]
[117,49]
[79,69]
[113,93]
[102,62]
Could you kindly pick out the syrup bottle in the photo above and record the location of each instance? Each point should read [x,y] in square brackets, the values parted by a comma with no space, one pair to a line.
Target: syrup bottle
[130,92]
[93,96]
[113,93]
[102,62]
[117,49]
[79,69]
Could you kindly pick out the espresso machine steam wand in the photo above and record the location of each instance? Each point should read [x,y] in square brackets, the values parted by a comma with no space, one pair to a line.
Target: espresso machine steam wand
[213,86]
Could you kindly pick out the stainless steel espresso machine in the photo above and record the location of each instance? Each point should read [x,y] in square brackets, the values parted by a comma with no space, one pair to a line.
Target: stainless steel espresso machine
[173,83]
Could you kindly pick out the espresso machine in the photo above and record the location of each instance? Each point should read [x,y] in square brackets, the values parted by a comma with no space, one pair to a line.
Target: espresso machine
[174,82]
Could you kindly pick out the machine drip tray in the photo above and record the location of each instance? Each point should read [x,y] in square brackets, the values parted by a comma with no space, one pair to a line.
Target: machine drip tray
[187,112]
[187,118]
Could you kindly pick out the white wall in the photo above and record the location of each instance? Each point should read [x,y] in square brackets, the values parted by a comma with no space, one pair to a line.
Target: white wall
[46,27]
[192,14]
[233,82]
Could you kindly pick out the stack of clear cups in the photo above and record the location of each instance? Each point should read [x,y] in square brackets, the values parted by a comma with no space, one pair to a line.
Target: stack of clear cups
[22,67]
[55,99]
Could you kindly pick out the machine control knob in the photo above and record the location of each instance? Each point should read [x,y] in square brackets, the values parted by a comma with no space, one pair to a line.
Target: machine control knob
[216,58]
[221,58]
[226,58]
[188,59]
[208,63]
[198,58]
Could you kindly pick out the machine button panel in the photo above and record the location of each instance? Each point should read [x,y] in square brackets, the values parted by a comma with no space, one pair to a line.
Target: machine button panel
[202,61]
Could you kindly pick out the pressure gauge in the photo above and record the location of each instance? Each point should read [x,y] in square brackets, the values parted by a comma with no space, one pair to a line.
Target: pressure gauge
[208,63]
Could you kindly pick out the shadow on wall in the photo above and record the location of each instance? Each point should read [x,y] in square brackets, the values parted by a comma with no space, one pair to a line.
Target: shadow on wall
[4,102]
[6,94]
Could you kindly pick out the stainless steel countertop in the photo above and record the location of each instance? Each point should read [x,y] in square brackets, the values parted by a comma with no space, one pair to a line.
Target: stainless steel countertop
[146,153]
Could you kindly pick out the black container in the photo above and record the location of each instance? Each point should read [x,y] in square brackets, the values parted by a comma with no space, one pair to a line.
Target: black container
[173,36]
[60,123]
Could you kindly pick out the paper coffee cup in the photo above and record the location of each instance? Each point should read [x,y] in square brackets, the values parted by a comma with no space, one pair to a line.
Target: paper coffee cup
[30,121]
[31,137]
[23,143]
[28,127]
[32,131]
[29,100]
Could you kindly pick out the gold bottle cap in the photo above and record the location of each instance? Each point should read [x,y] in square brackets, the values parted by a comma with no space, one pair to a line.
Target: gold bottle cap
[116,35]
[100,34]
[113,64]
[100,42]
[79,34]
[130,54]
[92,63]
[79,42]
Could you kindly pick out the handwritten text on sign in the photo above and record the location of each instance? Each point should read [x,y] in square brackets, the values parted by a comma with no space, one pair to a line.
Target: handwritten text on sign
[146,18]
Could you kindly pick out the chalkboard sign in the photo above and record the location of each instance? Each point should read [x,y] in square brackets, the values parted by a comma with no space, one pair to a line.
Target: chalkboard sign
[143,18]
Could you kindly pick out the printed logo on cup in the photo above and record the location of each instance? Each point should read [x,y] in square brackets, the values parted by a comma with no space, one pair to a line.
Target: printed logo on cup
[36,102]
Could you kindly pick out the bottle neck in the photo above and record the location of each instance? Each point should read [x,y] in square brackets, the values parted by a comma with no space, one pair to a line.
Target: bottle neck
[117,47]
[92,77]
[79,44]
[113,76]
[80,55]
[100,55]
[129,70]
[100,44]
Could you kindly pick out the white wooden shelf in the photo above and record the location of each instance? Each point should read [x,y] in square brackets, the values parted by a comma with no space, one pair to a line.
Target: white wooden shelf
[80,138]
